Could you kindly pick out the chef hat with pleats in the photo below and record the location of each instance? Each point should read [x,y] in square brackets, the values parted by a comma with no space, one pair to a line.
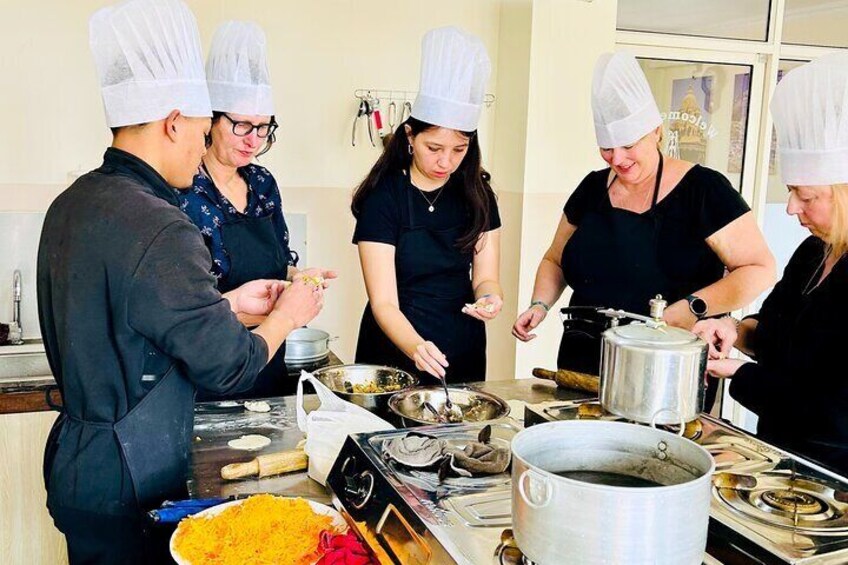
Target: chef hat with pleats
[622,103]
[237,70]
[149,61]
[810,111]
[454,70]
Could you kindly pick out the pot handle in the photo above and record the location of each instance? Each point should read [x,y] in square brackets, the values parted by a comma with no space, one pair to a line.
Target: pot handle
[527,473]
[673,411]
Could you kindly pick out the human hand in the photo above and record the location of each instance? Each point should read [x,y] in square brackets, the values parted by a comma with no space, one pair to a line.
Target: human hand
[428,358]
[316,276]
[301,301]
[720,335]
[528,321]
[257,298]
[486,308]
[724,368]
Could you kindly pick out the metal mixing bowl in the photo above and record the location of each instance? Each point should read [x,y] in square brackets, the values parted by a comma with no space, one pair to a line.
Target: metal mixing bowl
[476,406]
[337,377]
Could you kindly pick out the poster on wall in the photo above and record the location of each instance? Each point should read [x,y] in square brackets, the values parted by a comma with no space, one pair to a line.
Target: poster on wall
[689,117]
[738,122]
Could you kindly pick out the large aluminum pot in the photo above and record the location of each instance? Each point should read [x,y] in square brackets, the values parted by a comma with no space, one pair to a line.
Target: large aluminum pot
[568,505]
[307,344]
[381,382]
[654,375]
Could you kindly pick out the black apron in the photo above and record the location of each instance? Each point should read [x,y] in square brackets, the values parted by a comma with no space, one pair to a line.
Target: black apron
[434,283]
[624,270]
[255,253]
[154,436]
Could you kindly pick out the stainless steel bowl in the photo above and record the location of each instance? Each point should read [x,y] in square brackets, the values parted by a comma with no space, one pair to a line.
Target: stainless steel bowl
[476,406]
[341,379]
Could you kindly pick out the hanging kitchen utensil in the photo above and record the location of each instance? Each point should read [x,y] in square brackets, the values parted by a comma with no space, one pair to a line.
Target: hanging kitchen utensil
[392,115]
[377,115]
[405,111]
[361,111]
[369,111]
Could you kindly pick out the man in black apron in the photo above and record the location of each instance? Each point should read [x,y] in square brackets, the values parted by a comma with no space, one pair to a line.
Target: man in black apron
[129,313]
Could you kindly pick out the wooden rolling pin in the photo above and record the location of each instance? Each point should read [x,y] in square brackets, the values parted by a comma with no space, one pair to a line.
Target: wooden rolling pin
[570,379]
[267,465]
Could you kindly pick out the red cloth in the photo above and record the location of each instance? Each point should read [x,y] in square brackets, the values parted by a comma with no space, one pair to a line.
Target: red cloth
[343,549]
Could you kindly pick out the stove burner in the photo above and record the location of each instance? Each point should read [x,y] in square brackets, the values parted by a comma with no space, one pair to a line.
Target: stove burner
[800,503]
[789,500]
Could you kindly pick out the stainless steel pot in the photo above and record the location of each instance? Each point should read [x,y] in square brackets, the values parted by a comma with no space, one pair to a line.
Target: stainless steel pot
[342,378]
[567,507]
[307,344]
[651,372]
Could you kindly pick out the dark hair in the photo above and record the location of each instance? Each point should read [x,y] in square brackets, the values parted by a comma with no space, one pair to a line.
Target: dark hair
[476,190]
[269,141]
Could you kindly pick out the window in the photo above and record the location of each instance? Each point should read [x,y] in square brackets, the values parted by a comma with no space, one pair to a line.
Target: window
[729,19]
[816,22]
[705,112]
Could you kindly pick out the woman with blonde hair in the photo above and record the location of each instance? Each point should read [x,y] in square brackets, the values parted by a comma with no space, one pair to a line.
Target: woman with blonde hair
[795,339]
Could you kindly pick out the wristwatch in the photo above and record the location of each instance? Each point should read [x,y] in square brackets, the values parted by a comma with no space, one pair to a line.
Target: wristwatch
[697,306]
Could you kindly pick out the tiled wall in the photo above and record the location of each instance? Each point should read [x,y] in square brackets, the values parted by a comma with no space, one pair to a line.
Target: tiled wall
[19,233]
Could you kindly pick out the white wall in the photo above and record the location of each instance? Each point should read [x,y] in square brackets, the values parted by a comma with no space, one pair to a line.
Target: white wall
[567,38]
[319,51]
[538,138]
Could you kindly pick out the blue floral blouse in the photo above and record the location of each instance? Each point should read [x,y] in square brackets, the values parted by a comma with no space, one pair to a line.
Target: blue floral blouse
[204,205]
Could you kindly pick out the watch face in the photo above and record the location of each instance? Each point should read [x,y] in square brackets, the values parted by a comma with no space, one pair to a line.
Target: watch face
[698,306]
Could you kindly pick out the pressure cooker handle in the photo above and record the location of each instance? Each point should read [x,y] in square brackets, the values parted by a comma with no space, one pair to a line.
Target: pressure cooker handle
[585,312]
[529,474]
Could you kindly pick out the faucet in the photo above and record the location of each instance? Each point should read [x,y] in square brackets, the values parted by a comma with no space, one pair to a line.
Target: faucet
[16,298]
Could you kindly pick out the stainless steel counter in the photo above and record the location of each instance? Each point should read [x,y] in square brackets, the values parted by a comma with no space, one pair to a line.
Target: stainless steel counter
[213,431]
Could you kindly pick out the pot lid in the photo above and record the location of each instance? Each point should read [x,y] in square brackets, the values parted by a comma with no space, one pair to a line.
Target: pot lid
[638,333]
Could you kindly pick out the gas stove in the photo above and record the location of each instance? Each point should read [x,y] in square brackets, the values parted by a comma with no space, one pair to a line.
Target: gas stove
[768,505]
[783,509]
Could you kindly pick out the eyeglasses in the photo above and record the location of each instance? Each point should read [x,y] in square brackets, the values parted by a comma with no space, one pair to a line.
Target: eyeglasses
[243,129]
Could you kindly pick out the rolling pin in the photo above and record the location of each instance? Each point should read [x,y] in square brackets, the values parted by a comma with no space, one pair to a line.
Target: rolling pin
[267,465]
[570,379]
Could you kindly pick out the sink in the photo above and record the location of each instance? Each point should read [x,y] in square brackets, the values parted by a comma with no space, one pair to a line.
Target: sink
[25,360]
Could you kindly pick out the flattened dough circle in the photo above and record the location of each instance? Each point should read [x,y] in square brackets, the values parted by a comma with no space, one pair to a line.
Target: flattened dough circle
[251,442]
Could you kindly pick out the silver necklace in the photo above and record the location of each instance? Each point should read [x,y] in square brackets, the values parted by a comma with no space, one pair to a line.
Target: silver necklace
[431,203]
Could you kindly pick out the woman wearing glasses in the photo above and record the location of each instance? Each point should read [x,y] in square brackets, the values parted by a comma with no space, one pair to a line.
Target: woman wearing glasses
[236,203]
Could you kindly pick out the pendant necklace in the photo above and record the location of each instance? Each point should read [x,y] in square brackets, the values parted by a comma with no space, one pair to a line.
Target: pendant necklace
[431,203]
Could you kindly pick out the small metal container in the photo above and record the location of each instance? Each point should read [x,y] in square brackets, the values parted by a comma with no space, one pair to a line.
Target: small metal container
[338,377]
[307,344]
[476,406]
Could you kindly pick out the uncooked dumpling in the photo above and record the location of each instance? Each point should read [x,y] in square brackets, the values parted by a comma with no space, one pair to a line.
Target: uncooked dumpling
[252,442]
[257,406]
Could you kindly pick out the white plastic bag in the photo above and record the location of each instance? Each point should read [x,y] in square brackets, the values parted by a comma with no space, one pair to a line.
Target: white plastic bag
[328,426]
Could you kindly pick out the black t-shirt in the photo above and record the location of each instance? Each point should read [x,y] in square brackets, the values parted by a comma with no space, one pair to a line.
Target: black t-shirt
[796,386]
[603,272]
[386,209]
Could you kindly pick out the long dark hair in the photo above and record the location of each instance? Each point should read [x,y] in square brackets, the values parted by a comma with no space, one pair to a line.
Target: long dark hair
[476,190]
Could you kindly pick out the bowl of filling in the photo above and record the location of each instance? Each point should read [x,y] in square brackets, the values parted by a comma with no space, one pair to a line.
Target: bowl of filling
[369,386]
[428,405]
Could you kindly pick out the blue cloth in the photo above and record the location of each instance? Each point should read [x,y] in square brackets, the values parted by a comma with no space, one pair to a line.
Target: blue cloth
[205,207]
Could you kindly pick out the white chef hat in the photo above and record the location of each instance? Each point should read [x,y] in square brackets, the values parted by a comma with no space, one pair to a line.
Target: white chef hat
[237,70]
[622,103]
[454,70]
[149,61]
[810,111]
